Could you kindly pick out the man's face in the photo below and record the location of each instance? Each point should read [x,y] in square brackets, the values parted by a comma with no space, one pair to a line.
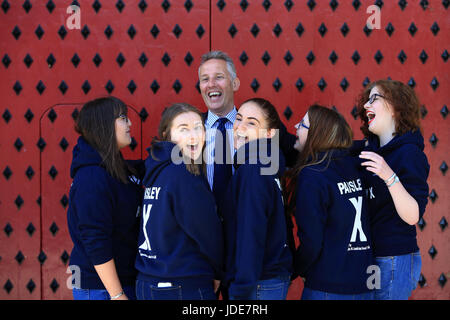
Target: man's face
[216,86]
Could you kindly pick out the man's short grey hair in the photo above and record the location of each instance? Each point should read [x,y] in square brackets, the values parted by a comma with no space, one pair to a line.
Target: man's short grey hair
[220,55]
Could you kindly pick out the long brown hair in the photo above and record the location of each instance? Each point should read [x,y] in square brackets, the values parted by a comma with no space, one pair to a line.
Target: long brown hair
[167,117]
[403,100]
[327,130]
[96,124]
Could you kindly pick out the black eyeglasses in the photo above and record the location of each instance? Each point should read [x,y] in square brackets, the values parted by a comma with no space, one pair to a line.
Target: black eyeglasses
[123,117]
[374,96]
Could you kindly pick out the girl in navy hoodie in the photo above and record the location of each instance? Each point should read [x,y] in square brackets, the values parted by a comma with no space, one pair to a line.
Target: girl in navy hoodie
[181,239]
[326,191]
[103,202]
[258,258]
[397,172]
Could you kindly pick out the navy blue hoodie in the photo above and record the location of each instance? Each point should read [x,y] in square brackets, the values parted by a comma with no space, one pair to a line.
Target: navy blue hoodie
[254,219]
[333,226]
[404,154]
[102,218]
[181,236]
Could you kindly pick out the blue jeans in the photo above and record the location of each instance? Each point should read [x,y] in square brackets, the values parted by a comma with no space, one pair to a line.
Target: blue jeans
[399,276]
[100,294]
[270,289]
[150,291]
[309,294]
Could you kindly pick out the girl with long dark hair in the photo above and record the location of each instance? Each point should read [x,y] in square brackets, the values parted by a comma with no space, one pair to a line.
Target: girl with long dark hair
[103,202]
[258,256]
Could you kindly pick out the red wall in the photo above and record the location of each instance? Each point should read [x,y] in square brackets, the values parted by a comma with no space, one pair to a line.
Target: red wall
[34,243]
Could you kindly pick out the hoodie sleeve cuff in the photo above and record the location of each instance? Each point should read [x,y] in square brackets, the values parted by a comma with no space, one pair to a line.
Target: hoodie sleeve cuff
[100,257]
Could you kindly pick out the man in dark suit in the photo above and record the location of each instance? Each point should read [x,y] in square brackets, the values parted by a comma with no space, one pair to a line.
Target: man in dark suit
[218,82]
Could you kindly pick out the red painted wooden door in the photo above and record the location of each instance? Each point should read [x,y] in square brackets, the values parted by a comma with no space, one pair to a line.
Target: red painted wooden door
[147,53]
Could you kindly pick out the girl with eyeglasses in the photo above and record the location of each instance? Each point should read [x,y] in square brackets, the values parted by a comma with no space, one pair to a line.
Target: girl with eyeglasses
[325,191]
[104,198]
[396,173]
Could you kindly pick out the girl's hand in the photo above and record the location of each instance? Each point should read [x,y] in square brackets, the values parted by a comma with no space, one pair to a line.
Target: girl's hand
[216,285]
[122,297]
[376,164]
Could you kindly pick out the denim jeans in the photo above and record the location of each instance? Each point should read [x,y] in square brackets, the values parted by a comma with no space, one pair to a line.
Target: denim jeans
[100,294]
[309,294]
[399,276]
[270,289]
[150,291]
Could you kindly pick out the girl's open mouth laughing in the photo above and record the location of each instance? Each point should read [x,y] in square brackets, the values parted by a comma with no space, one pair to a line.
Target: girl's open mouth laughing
[193,147]
[370,116]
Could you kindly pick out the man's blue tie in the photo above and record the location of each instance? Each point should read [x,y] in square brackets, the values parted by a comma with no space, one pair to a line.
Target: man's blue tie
[222,170]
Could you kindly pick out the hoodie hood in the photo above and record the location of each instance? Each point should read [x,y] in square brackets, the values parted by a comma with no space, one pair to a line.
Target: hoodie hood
[410,137]
[159,157]
[333,154]
[262,152]
[339,160]
[84,155]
